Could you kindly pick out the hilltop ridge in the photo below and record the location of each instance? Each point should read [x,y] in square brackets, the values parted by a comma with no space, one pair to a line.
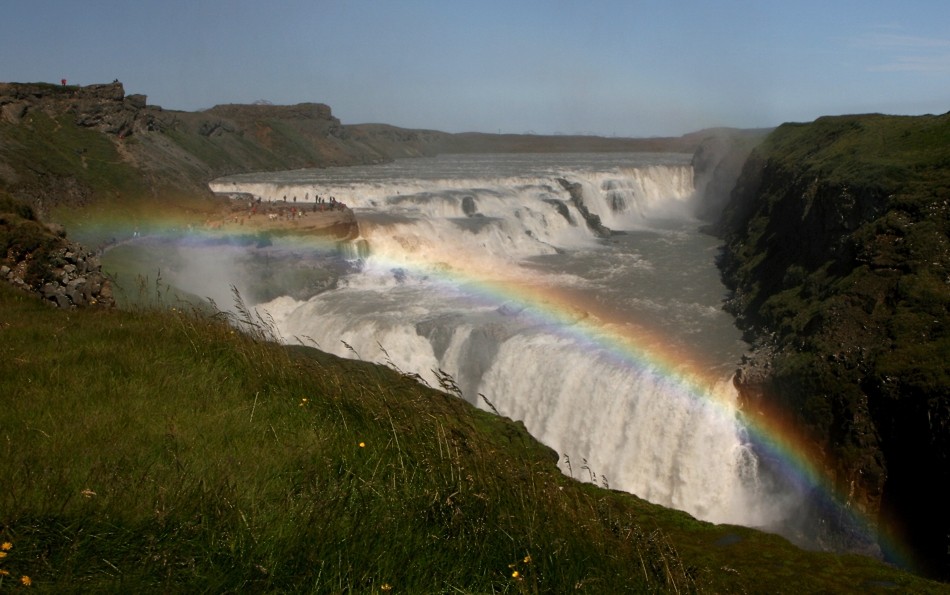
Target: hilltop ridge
[57,138]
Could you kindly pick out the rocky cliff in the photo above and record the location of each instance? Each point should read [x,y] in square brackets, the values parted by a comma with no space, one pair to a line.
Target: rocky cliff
[838,248]
[69,147]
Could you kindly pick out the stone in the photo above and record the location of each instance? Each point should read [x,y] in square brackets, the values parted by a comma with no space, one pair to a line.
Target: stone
[576,193]
[59,297]
[49,289]
[136,100]
[105,294]
[76,297]
[13,112]
[468,206]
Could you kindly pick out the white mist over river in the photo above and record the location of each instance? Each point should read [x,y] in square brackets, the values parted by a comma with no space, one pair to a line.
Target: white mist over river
[614,351]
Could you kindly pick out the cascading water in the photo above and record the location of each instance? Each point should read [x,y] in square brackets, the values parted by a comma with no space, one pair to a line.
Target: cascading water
[613,351]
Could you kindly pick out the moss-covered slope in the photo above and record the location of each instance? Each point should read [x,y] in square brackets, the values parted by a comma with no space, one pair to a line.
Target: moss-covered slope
[838,247]
[79,147]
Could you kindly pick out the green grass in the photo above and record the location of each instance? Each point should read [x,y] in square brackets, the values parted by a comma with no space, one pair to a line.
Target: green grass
[162,451]
[209,459]
[56,147]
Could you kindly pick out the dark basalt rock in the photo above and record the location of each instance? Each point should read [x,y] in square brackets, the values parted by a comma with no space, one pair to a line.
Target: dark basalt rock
[838,251]
[577,199]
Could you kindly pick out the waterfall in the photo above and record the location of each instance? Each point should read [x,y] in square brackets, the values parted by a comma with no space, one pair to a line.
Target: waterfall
[486,269]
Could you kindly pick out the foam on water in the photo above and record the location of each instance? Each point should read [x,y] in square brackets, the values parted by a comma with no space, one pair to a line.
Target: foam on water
[613,352]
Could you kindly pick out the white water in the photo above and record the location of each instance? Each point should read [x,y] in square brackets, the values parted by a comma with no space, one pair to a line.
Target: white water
[470,266]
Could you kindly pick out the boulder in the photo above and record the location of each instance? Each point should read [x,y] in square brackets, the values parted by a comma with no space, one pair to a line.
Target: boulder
[14,112]
[56,229]
[137,101]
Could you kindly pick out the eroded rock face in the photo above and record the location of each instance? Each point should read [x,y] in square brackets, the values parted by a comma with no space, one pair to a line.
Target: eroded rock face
[104,107]
[577,199]
[838,250]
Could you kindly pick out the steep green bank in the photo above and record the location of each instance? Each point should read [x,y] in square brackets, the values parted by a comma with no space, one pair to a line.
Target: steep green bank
[164,451]
[838,247]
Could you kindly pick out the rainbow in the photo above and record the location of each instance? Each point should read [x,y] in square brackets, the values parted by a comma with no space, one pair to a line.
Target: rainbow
[643,347]
[488,281]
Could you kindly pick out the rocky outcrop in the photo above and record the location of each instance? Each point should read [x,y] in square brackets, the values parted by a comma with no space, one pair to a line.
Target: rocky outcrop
[78,282]
[40,260]
[576,192]
[103,107]
[69,146]
[838,249]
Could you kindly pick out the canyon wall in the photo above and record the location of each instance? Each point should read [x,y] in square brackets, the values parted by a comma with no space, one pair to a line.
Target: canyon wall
[838,249]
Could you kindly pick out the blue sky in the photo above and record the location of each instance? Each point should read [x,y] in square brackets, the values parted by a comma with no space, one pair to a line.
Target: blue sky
[609,67]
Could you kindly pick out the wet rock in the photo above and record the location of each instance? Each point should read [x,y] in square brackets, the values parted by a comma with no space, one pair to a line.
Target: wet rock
[577,199]
[469,207]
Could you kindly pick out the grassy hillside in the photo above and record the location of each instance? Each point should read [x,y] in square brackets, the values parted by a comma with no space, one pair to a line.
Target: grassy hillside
[162,450]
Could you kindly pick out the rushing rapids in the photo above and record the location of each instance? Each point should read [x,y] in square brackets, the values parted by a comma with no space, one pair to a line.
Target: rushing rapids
[613,350]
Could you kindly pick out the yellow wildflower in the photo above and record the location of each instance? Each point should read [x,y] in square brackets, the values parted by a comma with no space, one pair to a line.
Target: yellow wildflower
[515,574]
[4,572]
[527,559]
[386,587]
[7,546]
[26,581]
[3,555]
[362,445]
